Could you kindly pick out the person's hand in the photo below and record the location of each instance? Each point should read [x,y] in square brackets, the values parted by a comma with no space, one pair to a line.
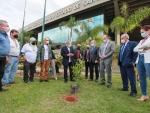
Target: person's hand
[72,54]
[146,48]
[24,58]
[7,59]
[96,61]
[133,64]
[87,60]
[103,57]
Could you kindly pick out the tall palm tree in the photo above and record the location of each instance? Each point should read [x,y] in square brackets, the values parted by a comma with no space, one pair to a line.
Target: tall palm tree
[126,23]
[70,24]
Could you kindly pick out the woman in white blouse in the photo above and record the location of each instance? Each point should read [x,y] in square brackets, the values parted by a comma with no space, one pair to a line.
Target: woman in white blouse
[143,60]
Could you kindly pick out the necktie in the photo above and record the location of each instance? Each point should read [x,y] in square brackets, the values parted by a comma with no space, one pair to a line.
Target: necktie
[87,53]
[78,54]
[92,48]
[121,52]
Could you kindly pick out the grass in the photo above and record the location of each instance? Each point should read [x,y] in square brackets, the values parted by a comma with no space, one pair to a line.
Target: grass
[46,98]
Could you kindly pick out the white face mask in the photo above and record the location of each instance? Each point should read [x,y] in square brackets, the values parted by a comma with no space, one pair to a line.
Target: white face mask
[69,45]
[92,44]
[47,42]
[122,41]
[6,29]
[104,41]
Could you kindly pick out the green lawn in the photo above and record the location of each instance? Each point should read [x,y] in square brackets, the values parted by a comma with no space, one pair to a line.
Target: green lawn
[46,98]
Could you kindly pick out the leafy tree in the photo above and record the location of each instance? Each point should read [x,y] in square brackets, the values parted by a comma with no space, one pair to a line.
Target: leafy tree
[70,24]
[26,37]
[125,22]
[89,33]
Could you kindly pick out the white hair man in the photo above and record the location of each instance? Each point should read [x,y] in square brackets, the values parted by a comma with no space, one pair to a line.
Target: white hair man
[29,52]
[126,62]
[44,57]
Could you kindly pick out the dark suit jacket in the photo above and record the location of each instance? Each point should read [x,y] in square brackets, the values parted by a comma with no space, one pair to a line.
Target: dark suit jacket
[64,53]
[94,54]
[76,52]
[128,56]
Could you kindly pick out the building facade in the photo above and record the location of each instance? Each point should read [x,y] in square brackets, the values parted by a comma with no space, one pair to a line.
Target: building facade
[93,12]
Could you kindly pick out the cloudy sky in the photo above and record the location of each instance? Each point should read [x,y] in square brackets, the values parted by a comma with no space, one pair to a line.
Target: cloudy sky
[12,10]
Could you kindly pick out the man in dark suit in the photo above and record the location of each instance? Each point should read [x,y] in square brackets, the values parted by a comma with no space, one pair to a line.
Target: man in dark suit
[93,60]
[87,65]
[126,62]
[78,53]
[67,53]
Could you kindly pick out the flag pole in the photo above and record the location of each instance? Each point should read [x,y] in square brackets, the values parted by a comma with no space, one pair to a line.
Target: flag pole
[22,32]
[43,22]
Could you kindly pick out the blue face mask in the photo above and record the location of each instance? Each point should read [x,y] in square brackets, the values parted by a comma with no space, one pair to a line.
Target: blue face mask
[69,45]
[144,35]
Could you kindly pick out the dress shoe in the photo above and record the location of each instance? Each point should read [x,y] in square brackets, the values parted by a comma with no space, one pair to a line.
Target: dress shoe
[7,85]
[41,80]
[90,80]
[96,80]
[109,86]
[65,81]
[46,80]
[72,80]
[133,94]
[26,81]
[32,80]
[102,83]
[2,89]
[14,82]
[143,98]
[122,89]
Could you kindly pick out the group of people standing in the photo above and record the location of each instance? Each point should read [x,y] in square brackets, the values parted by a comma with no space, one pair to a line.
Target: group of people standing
[97,59]
[10,55]
[100,59]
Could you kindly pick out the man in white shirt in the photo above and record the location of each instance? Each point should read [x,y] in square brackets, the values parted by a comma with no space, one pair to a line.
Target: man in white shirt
[12,65]
[44,56]
[29,52]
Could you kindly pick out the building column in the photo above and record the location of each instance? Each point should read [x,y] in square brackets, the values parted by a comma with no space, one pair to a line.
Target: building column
[117,13]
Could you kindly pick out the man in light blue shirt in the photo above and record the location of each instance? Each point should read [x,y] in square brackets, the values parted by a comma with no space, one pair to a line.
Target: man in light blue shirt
[4,49]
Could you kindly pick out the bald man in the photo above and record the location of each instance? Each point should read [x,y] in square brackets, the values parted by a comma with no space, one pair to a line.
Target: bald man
[106,52]
[126,61]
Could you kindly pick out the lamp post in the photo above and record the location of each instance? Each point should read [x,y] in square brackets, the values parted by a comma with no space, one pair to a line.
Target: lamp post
[43,22]
[22,32]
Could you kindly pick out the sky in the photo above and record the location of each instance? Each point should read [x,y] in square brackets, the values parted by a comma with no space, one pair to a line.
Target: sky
[13,10]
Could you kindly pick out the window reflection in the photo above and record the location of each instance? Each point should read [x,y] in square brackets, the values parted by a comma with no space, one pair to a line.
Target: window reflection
[61,36]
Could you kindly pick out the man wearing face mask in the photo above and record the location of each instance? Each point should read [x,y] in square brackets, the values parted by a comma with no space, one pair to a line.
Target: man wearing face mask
[126,61]
[106,52]
[78,53]
[93,60]
[29,53]
[44,56]
[4,49]
[67,53]
[12,65]
[87,65]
